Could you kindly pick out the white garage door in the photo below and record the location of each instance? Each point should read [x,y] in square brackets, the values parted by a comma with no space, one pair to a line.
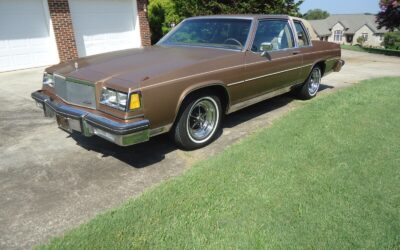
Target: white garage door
[105,25]
[26,36]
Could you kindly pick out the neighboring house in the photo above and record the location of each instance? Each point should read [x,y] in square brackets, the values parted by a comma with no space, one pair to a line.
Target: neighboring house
[346,29]
[43,32]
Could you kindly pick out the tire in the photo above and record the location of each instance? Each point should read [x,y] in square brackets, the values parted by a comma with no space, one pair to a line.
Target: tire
[198,122]
[310,88]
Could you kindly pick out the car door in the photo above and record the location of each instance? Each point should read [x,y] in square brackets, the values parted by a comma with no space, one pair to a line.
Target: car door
[274,62]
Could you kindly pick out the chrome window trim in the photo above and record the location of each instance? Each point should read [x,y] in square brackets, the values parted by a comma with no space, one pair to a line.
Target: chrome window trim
[307,34]
[273,19]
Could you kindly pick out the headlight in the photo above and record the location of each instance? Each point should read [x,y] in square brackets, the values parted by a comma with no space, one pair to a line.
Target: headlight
[119,100]
[48,79]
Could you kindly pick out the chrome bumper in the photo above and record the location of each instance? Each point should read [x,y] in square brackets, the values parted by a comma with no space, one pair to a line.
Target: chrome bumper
[338,65]
[73,119]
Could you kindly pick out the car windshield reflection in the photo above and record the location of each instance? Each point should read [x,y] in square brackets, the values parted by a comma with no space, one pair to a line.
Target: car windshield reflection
[214,33]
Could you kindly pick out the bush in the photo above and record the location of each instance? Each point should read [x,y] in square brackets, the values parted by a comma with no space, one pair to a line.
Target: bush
[162,17]
[392,40]
[361,40]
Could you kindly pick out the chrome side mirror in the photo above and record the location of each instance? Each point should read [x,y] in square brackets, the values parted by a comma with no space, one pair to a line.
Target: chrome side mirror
[265,48]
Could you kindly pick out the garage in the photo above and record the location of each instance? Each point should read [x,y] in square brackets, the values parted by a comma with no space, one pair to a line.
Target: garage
[26,35]
[105,25]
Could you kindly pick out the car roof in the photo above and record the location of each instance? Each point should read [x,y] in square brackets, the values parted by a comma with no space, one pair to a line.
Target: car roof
[244,16]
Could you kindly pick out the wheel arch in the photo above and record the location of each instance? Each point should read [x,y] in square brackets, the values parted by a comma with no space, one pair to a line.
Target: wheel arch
[321,64]
[216,87]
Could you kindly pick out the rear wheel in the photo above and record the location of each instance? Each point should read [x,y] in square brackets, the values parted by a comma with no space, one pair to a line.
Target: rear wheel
[311,86]
[198,122]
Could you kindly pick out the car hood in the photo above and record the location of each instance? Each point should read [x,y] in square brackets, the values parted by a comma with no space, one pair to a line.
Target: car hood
[133,68]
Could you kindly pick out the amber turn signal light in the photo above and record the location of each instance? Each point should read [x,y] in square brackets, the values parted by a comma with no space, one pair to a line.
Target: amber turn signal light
[134,102]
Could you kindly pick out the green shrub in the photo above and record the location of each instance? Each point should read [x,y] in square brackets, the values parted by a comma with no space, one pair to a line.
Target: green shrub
[392,40]
[162,17]
[361,40]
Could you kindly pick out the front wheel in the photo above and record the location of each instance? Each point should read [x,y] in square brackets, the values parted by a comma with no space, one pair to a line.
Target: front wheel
[311,86]
[199,121]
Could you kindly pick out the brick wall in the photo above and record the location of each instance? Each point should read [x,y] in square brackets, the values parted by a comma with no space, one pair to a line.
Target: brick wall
[63,30]
[144,22]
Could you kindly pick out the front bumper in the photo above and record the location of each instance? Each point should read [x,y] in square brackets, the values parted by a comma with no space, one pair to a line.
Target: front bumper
[89,124]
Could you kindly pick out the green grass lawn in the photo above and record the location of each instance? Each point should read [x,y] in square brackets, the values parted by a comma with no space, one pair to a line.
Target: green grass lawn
[380,51]
[327,175]
[354,48]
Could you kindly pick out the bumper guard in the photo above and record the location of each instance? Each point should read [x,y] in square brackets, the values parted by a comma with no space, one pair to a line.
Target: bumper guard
[73,119]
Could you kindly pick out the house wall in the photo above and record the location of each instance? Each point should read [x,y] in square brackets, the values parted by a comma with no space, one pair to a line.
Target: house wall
[63,29]
[374,40]
[331,38]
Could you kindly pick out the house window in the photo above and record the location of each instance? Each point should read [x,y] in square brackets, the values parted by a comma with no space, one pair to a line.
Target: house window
[338,35]
[365,36]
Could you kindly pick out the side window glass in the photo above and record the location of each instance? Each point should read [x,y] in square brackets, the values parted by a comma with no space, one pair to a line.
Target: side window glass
[273,35]
[301,35]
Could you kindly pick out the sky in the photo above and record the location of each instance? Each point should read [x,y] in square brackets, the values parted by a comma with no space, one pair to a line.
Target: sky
[342,6]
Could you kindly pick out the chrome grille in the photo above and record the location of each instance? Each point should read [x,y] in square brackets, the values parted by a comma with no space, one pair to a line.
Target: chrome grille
[75,91]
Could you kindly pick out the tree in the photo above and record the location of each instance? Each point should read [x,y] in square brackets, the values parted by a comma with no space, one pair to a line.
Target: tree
[389,16]
[188,8]
[392,40]
[162,17]
[316,14]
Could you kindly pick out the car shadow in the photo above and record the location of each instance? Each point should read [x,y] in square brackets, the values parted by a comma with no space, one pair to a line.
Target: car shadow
[154,151]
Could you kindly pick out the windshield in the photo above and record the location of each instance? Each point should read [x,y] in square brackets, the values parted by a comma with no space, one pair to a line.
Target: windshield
[216,33]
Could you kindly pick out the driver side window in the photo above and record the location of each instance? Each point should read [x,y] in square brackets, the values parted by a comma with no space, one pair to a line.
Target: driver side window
[273,35]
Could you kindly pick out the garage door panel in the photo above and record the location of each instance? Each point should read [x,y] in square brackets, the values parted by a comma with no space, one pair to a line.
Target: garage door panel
[108,25]
[25,39]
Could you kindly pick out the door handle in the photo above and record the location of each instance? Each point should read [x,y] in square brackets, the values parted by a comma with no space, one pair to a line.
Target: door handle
[296,52]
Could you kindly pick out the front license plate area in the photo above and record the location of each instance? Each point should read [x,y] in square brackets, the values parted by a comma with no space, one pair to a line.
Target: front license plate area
[63,123]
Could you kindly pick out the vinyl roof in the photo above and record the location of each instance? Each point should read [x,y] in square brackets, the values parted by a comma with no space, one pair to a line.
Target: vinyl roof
[244,16]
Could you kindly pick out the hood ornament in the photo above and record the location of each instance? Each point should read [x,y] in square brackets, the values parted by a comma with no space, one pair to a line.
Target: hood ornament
[76,65]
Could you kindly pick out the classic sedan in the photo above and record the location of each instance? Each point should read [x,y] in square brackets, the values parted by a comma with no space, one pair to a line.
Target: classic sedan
[204,68]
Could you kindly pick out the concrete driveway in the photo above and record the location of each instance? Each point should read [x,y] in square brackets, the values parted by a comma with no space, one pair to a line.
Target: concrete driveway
[51,181]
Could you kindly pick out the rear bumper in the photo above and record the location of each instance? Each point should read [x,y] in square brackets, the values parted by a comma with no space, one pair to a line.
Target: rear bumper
[338,65]
[89,124]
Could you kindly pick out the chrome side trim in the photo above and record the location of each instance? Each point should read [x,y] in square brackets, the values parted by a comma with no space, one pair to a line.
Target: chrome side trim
[260,98]
[235,83]
[191,76]
[271,74]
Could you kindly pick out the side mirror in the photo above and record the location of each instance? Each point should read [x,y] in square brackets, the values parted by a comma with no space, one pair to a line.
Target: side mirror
[265,48]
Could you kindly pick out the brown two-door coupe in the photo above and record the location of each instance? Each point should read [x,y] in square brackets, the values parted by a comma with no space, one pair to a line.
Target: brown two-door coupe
[204,68]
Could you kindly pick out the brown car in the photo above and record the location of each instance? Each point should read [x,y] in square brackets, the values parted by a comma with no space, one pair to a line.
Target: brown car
[204,68]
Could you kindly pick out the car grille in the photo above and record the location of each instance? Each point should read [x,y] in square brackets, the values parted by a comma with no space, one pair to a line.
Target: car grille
[75,91]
